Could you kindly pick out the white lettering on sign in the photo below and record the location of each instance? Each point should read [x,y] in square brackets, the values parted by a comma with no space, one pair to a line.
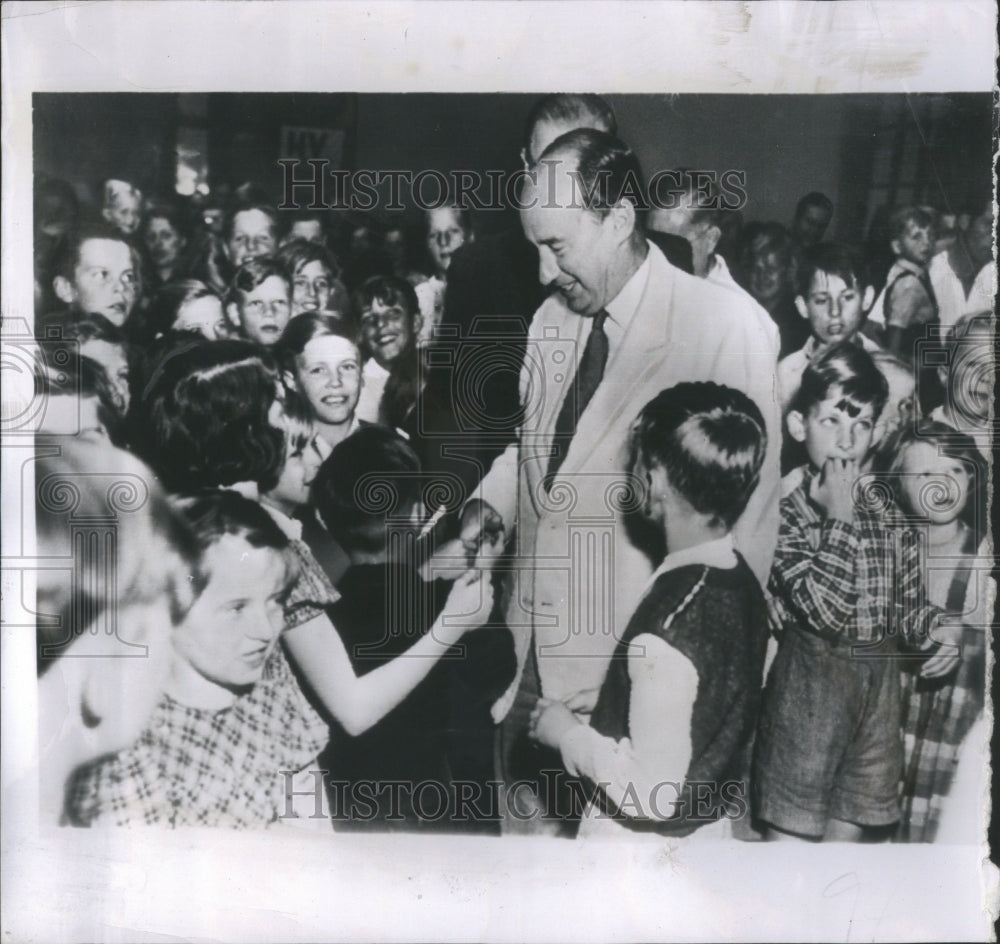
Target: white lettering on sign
[306,144]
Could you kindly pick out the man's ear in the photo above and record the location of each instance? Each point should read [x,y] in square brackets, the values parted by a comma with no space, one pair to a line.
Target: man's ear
[233,315]
[796,424]
[800,307]
[64,289]
[868,299]
[712,236]
[623,219]
[897,247]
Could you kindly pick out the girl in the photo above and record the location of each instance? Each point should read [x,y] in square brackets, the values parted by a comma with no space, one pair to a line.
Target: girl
[448,228]
[185,305]
[939,477]
[315,278]
[206,421]
[221,739]
[390,325]
[321,358]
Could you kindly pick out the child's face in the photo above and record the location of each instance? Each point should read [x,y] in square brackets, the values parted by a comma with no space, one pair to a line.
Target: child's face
[264,312]
[329,373]
[311,288]
[833,308]
[298,473]
[834,429]
[934,486]
[112,358]
[309,230]
[768,276]
[445,234]
[104,280]
[253,235]
[230,630]
[204,315]
[387,331]
[73,416]
[162,241]
[969,381]
[123,213]
[916,245]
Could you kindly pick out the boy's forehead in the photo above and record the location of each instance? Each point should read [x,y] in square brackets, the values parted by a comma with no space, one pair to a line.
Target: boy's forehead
[823,279]
[100,251]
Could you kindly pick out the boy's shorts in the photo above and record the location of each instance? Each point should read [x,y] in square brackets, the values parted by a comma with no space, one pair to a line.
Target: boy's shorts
[828,742]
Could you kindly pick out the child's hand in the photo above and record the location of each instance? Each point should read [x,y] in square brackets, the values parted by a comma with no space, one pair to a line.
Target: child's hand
[833,488]
[481,533]
[550,720]
[948,655]
[583,702]
[470,602]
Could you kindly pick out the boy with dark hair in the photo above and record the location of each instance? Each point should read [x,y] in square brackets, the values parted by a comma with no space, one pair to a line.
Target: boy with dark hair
[676,711]
[907,304]
[259,302]
[845,584]
[833,294]
[368,494]
[97,272]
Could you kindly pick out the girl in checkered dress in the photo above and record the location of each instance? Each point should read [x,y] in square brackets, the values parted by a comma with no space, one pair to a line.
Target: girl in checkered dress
[939,478]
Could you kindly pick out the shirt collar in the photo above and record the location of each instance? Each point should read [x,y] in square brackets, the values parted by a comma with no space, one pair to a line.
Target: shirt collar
[910,266]
[291,527]
[720,553]
[623,306]
[373,370]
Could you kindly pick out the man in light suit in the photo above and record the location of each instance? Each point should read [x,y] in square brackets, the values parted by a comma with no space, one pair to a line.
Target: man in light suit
[561,493]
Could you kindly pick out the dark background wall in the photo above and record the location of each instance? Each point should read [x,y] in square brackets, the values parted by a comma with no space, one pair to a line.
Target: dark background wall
[860,150]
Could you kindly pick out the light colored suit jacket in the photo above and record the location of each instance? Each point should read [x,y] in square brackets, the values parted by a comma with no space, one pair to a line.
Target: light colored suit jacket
[577,575]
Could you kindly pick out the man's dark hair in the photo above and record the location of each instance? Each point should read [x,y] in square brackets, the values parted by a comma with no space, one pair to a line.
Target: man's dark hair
[814,199]
[605,168]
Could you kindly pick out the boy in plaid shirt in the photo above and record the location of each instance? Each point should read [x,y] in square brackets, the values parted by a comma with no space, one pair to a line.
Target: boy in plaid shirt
[845,584]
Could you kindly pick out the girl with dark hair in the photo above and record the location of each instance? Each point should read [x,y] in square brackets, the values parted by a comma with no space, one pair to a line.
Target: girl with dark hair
[205,420]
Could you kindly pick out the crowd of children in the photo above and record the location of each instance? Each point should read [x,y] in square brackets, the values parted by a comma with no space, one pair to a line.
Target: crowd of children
[275,373]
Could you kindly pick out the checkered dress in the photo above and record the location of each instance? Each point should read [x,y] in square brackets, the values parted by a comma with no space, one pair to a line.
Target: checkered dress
[937,715]
[860,582]
[195,767]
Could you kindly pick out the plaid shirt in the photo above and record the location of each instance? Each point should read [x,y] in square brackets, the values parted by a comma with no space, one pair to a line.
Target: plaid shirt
[195,767]
[860,582]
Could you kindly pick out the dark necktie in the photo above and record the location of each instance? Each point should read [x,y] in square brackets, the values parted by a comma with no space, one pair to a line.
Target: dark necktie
[589,374]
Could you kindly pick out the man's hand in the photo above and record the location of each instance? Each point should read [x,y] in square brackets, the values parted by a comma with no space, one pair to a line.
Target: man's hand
[550,720]
[833,488]
[481,533]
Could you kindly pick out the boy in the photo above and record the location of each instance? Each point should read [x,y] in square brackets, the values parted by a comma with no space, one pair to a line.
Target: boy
[251,231]
[833,296]
[367,493]
[259,302]
[101,341]
[668,739]
[122,206]
[97,273]
[843,585]
[907,304]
